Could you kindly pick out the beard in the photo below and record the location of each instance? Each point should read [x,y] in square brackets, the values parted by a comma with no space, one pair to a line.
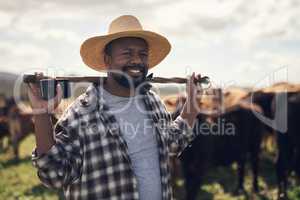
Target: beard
[128,80]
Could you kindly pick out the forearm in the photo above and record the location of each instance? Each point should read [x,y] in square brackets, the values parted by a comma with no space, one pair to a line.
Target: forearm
[43,133]
[58,159]
[188,115]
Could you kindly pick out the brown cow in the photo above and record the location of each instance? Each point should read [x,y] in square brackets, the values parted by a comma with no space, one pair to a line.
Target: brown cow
[20,125]
[16,124]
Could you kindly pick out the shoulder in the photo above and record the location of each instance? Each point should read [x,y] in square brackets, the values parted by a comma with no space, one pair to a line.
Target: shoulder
[153,96]
[158,106]
[83,105]
[155,100]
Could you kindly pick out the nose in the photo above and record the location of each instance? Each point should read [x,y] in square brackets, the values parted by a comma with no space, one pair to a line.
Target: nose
[135,59]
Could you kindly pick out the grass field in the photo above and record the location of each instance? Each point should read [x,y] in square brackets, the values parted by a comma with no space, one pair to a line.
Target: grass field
[18,180]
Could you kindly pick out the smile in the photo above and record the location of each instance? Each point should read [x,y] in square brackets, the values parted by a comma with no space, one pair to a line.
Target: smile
[135,72]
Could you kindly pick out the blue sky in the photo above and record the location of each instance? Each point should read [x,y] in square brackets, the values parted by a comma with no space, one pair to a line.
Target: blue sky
[235,42]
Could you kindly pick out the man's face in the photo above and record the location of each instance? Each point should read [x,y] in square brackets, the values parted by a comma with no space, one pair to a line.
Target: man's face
[128,56]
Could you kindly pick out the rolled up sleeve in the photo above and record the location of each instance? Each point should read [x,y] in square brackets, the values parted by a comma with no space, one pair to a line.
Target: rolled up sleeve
[180,134]
[61,165]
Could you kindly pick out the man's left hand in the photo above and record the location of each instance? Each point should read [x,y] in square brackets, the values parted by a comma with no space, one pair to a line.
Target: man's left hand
[191,109]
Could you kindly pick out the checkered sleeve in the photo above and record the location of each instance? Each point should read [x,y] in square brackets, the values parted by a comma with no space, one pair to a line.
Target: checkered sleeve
[180,134]
[61,165]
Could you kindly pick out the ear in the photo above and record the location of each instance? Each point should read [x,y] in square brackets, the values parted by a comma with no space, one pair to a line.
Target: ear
[107,60]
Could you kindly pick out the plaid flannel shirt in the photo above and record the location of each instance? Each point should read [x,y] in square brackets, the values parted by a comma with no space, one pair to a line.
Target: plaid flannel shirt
[90,158]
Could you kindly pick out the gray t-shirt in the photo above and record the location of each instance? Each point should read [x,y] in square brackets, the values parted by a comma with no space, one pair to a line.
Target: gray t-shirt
[139,133]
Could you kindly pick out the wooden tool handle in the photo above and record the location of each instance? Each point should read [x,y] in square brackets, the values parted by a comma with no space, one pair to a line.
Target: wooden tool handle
[95,79]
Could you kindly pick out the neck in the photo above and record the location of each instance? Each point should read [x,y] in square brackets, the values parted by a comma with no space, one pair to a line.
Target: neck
[116,89]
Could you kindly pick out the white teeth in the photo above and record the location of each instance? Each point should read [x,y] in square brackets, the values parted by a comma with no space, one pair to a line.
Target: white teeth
[135,70]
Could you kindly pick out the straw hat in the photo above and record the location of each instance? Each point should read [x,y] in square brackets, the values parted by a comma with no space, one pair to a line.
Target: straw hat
[92,50]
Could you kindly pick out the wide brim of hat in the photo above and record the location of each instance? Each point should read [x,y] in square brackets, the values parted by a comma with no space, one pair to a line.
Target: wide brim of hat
[92,50]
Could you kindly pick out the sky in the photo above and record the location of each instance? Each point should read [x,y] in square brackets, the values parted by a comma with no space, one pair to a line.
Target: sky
[234,42]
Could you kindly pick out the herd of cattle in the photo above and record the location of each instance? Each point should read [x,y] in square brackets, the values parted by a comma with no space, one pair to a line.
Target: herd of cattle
[15,124]
[217,143]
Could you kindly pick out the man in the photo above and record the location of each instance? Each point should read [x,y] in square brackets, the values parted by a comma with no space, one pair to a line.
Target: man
[113,141]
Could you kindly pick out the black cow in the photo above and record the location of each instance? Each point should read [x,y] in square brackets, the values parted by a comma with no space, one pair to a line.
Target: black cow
[4,132]
[4,128]
[288,142]
[241,135]
[264,100]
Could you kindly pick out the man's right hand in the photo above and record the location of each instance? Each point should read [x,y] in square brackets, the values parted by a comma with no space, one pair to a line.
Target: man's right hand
[39,105]
[42,121]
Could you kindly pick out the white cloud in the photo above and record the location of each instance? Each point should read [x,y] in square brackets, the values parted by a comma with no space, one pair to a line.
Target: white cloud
[6,19]
[225,39]
[21,56]
[269,20]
